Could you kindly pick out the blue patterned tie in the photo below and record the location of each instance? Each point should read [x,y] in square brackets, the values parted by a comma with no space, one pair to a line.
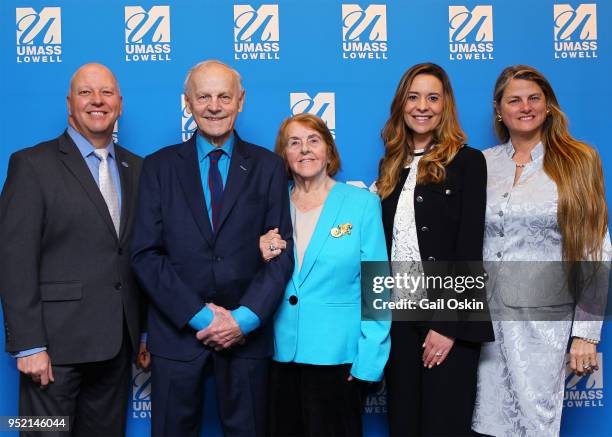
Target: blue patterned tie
[215,185]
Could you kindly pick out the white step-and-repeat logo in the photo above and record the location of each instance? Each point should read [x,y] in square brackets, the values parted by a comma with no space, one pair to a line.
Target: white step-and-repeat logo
[376,401]
[323,105]
[141,393]
[364,32]
[575,31]
[116,132]
[470,33]
[147,34]
[585,391]
[39,35]
[188,124]
[256,32]
[362,184]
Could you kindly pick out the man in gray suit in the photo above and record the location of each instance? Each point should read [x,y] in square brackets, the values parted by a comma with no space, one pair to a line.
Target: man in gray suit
[70,300]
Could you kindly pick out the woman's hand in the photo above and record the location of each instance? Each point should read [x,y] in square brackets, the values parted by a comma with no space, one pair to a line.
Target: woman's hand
[436,348]
[271,245]
[583,356]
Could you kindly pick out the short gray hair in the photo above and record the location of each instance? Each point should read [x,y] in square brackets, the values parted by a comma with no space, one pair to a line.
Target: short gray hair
[205,64]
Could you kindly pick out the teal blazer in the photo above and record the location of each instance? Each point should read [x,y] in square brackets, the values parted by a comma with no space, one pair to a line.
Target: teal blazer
[319,319]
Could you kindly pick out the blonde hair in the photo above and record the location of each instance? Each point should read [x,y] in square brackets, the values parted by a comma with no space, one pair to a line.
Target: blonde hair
[582,212]
[397,136]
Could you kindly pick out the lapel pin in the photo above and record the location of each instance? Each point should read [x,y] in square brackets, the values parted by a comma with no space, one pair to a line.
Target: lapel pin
[125,164]
[341,230]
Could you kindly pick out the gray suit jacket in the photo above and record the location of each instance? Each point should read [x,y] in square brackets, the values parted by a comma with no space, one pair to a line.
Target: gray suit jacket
[65,276]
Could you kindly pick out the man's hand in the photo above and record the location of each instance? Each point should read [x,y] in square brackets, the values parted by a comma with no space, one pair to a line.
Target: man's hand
[223,332]
[143,359]
[38,367]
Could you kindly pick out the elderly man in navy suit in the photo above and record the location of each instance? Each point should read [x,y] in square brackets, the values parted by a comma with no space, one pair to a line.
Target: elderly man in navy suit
[202,206]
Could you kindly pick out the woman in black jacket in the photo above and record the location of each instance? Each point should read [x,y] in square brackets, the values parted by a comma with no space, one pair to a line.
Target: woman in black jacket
[433,191]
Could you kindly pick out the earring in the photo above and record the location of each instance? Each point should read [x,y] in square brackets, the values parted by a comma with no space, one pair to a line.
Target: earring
[548,112]
[498,117]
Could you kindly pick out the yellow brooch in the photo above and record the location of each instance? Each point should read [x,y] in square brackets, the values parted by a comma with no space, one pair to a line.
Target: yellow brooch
[341,230]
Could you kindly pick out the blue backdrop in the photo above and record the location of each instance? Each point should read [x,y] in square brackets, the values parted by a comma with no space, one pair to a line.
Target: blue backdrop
[341,61]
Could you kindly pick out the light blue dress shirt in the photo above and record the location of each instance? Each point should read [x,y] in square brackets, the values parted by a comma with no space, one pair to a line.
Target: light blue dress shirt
[247,320]
[93,163]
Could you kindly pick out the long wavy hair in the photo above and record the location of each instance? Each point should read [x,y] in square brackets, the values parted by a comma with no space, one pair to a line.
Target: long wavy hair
[582,213]
[397,136]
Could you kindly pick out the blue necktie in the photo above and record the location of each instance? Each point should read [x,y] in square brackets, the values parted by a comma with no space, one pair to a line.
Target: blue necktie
[215,185]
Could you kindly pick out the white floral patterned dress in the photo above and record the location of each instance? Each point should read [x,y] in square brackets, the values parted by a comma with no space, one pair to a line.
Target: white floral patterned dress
[521,374]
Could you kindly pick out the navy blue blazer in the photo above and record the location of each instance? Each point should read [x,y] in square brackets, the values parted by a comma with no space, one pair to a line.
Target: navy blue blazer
[182,264]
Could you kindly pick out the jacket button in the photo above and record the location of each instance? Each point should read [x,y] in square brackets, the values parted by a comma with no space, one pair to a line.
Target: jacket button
[425,229]
[218,259]
[501,213]
[293,299]
[118,286]
[120,251]
[431,258]
[419,199]
[448,192]
[499,254]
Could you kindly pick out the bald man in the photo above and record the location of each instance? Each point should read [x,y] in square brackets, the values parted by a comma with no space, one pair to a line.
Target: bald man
[202,206]
[70,300]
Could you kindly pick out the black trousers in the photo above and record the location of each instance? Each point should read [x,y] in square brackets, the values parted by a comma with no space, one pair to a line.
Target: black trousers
[429,402]
[311,400]
[177,394]
[93,395]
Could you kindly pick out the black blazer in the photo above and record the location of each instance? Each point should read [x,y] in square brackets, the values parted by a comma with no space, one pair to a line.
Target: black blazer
[450,225]
[65,278]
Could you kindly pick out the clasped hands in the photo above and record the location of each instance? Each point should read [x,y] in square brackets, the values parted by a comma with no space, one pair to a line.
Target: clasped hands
[223,332]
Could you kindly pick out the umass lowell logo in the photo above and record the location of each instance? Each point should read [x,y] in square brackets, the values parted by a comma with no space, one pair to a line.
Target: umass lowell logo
[470,33]
[141,393]
[147,34]
[39,35]
[322,105]
[364,32]
[188,124]
[256,32]
[575,31]
[585,391]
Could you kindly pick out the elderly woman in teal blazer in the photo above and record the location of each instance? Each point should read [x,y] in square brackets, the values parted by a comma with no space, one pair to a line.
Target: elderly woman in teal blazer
[324,355]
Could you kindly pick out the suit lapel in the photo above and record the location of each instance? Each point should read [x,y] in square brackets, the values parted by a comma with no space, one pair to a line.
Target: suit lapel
[73,160]
[191,182]
[126,174]
[328,216]
[240,166]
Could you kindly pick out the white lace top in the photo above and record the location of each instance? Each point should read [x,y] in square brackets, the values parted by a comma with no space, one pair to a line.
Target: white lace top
[405,245]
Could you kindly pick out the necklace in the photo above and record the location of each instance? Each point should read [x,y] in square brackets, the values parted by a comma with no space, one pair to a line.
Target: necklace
[520,165]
